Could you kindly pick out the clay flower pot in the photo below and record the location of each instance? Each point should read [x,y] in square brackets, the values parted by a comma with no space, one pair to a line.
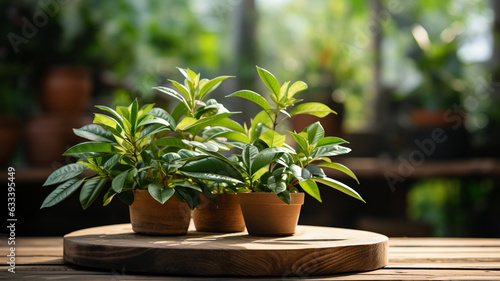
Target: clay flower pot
[66,89]
[149,216]
[266,215]
[227,217]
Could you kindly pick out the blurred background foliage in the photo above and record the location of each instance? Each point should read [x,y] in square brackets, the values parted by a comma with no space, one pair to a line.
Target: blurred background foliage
[375,62]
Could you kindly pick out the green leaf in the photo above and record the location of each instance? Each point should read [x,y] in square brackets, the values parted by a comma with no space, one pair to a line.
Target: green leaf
[153,130]
[211,165]
[184,72]
[182,88]
[302,142]
[160,194]
[171,93]
[134,110]
[330,141]
[296,87]
[261,118]
[121,180]
[315,133]
[108,122]
[339,167]
[185,123]
[285,197]
[155,120]
[236,136]
[299,173]
[248,155]
[90,190]
[94,132]
[179,110]
[169,141]
[211,85]
[161,113]
[312,108]
[273,138]
[108,196]
[112,162]
[253,97]
[315,171]
[62,192]
[266,157]
[126,196]
[276,185]
[211,177]
[65,173]
[119,118]
[283,89]
[269,80]
[340,187]
[329,150]
[91,147]
[230,124]
[311,188]
[199,125]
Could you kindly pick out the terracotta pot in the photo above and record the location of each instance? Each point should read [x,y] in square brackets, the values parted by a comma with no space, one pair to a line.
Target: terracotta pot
[49,135]
[227,217]
[266,215]
[9,132]
[149,216]
[66,89]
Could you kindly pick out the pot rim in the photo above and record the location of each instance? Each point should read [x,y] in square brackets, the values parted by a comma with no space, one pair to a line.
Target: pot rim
[268,198]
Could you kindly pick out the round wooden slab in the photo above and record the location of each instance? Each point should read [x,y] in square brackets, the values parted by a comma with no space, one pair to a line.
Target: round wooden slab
[311,251]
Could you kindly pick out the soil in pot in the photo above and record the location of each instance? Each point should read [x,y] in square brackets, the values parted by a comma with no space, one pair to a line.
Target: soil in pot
[266,215]
[226,217]
[149,216]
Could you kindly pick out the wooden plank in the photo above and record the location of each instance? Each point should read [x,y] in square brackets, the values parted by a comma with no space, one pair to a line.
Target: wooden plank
[312,250]
[79,273]
[444,242]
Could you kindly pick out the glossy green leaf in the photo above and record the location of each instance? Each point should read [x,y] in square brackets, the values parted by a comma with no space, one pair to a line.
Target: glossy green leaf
[275,185]
[312,108]
[285,197]
[299,173]
[121,180]
[315,133]
[235,136]
[339,186]
[339,167]
[273,138]
[90,190]
[296,87]
[119,117]
[108,196]
[248,154]
[211,165]
[62,192]
[108,122]
[315,171]
[269,80]
[112,161]
[155,120]
[199,125]
[211,85]
[266,157]
[152,130]
[94,132]
[282,96]
[185,123]
[330,141]
[134,111]
[179,111]
[185,91]
[329,150]
[311,188]
[230,124]
[170,141]
[161,113]
[302,142]
[91,147]
[160,194]
[211,177]
[253,97]
[171,93]
[65,173]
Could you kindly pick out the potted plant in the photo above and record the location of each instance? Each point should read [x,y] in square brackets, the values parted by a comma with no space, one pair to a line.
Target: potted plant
[122,151]
[271,170]
[204,120]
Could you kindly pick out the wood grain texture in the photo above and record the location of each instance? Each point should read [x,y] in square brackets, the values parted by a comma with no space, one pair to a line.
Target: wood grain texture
[311,251]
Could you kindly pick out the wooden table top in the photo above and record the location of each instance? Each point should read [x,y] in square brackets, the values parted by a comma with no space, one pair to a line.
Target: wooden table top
[41,258]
